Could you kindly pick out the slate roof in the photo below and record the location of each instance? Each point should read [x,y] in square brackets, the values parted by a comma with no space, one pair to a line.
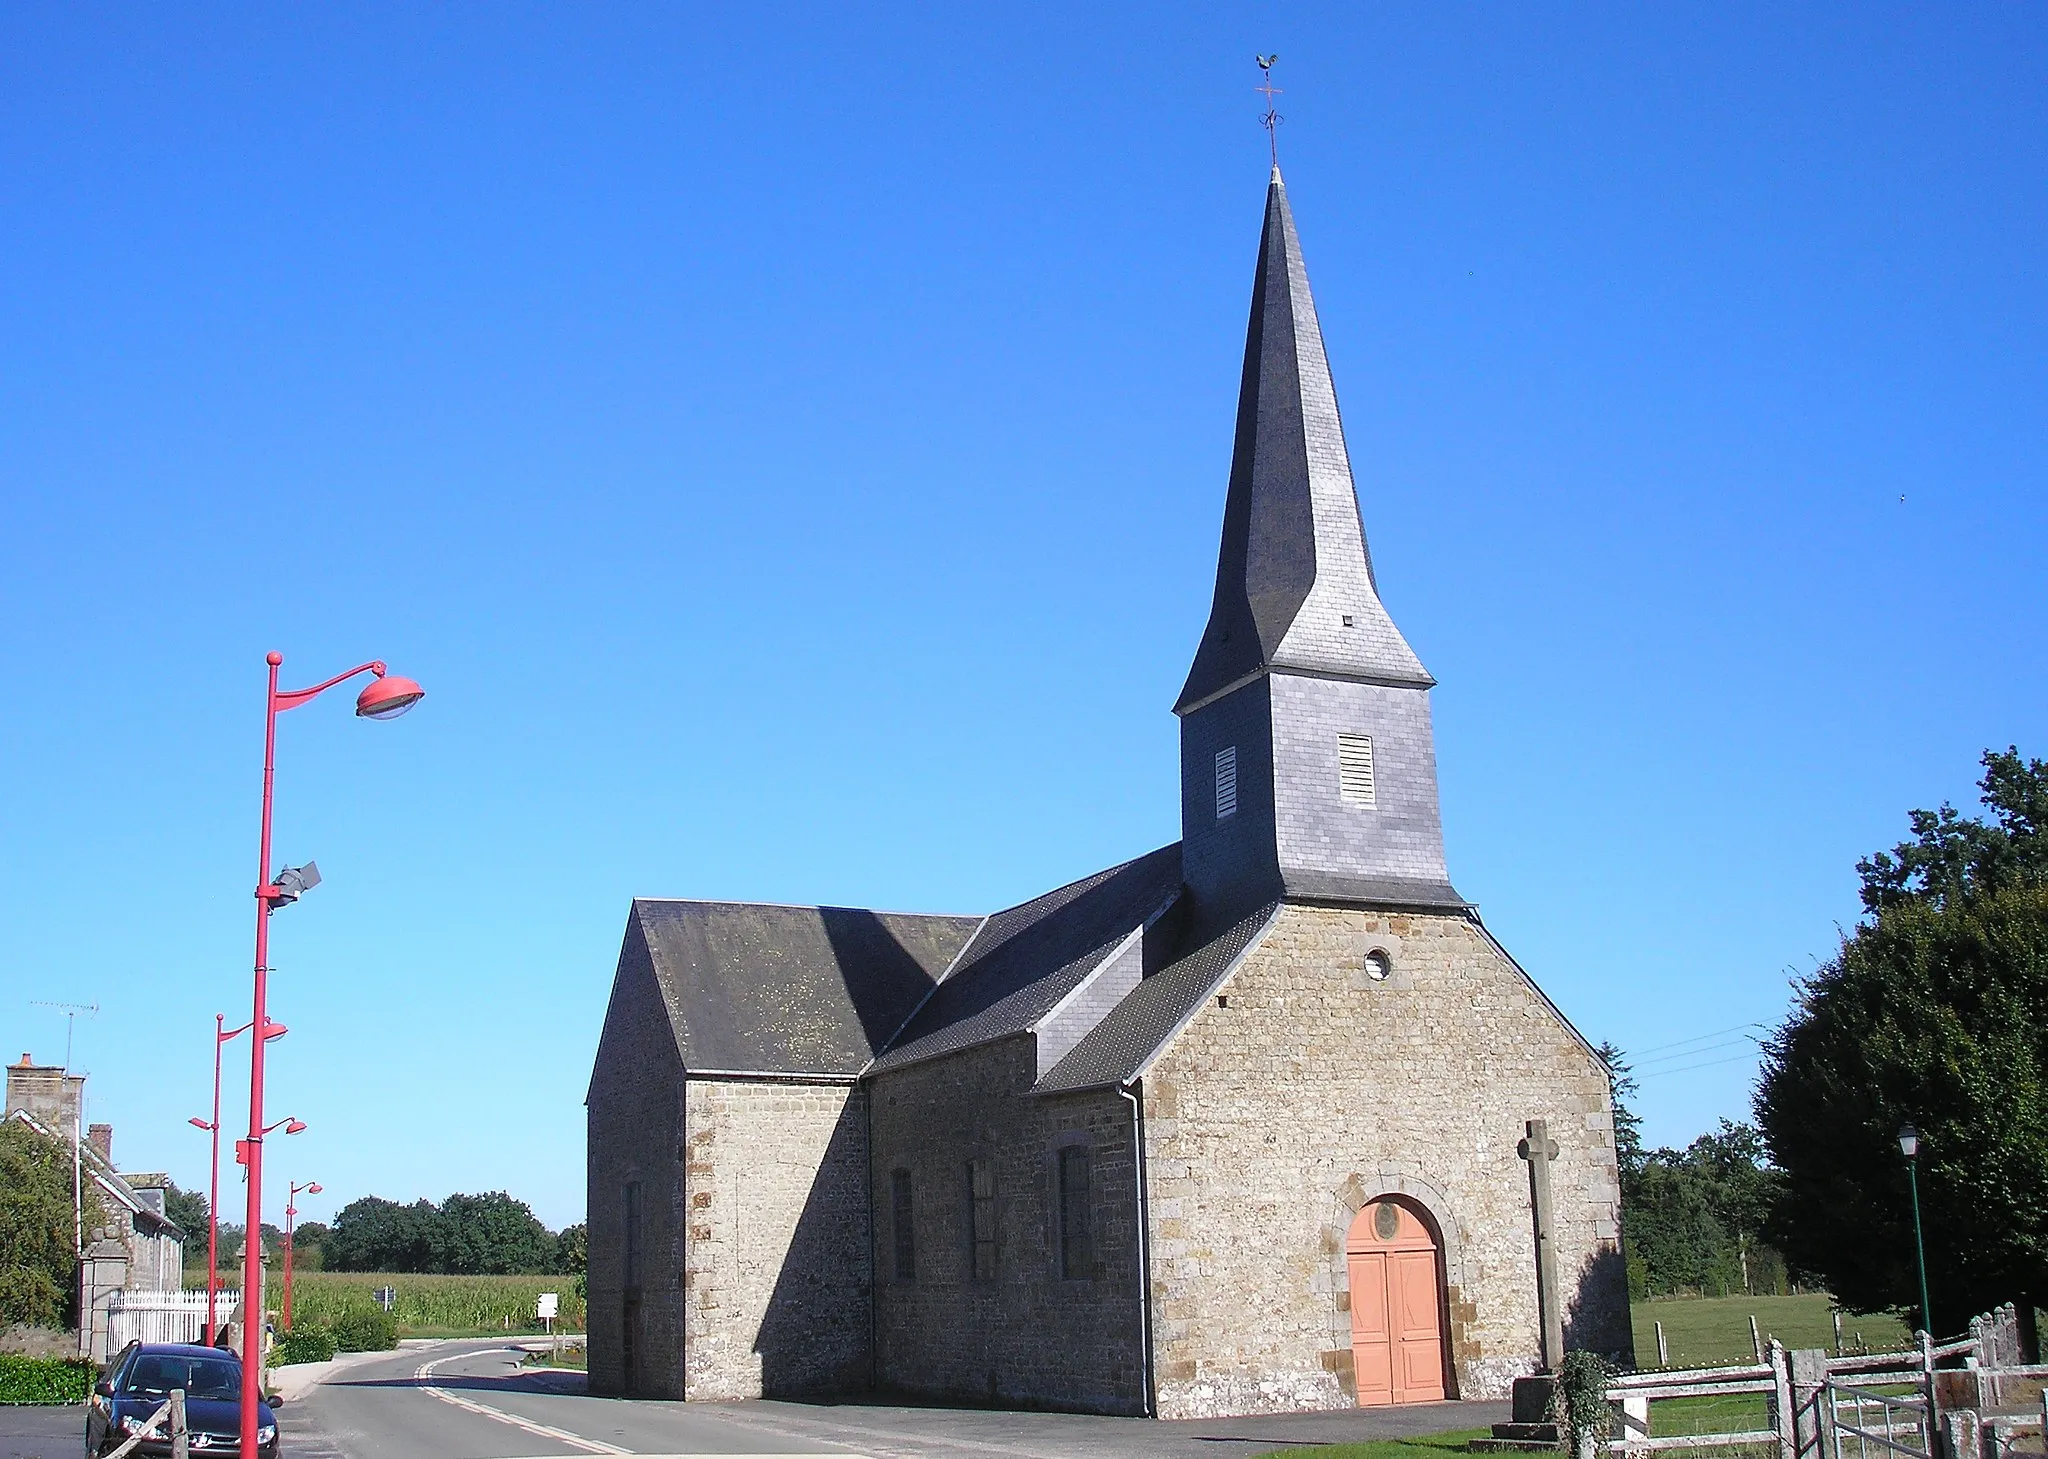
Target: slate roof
[1294,561]
[758,988]
[1120,1047]
[1025,960]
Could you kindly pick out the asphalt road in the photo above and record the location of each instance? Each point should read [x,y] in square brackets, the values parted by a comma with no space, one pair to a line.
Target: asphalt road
[42,1433]
[472,1400]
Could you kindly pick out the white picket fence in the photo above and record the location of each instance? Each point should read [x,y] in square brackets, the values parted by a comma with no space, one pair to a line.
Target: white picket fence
[163,1316]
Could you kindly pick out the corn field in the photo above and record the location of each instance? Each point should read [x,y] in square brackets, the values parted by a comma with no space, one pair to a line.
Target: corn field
[437,1304]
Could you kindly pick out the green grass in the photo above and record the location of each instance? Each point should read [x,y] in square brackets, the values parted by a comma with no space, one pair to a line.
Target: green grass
[1422,1446]
[437,1306]
[1705,1332]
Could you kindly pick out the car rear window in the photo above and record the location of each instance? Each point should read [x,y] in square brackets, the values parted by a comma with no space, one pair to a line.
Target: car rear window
[159,1373]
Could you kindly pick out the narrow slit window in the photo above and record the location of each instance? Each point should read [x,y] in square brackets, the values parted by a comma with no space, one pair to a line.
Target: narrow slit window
[1226,782]
[632,1235]
[1077,1257]
[903,1225]
[1354,769]
[981,1219]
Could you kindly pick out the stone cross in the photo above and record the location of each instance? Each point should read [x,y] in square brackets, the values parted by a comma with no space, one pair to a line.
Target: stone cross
[1539,1150]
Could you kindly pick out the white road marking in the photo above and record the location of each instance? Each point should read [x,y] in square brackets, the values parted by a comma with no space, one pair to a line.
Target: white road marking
[425,1372]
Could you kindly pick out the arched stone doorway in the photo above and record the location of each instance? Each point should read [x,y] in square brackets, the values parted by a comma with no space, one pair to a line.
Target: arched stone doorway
[1394,1259]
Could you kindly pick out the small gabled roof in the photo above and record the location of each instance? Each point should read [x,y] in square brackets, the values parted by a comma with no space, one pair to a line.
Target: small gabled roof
[1025,960]
[1122,1046]
[757,988]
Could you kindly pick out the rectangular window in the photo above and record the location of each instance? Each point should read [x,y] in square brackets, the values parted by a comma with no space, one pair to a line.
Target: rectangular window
[632,1235]
[981,1219]
[1077,1259]
[1354,769]
[903,1225]
[1226,782]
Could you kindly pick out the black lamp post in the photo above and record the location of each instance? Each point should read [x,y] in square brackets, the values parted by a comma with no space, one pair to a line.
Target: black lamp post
[1909,1146]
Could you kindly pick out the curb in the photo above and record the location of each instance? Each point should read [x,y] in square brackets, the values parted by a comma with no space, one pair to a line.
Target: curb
[295,1380]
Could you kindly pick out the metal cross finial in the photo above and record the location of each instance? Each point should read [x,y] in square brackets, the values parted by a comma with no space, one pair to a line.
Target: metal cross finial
[1272,119]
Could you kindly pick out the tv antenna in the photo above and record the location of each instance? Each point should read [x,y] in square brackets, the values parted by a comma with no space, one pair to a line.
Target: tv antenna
[70,1012]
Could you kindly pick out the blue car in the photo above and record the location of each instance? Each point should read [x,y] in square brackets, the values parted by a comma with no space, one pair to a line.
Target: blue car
[139,1380]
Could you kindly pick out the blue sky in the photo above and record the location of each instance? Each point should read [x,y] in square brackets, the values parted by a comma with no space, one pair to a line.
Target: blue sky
[790,448]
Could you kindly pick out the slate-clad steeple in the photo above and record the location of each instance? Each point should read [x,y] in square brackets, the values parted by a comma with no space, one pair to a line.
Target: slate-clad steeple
[1308,765]
[1294,563]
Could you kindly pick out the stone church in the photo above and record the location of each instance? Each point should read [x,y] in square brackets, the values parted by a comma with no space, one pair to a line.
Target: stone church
[1263,1120]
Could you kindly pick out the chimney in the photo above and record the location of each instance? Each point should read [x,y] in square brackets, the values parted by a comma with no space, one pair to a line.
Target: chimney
[101,1138]
[46,1092]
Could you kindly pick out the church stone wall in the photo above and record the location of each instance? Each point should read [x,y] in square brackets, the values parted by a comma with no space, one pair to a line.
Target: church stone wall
[775,1256]
[635,1134]
[1027,1336]
[1271,1121]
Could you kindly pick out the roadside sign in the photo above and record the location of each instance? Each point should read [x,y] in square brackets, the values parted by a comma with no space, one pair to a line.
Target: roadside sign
[385,1297]
[548,1306]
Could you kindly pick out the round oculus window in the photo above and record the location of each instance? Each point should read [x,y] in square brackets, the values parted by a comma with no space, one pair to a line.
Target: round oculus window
[1386,1221]
[1378,966]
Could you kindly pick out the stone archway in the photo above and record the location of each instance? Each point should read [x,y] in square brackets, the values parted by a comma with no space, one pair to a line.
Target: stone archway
[1394,1261]
[1355,1193]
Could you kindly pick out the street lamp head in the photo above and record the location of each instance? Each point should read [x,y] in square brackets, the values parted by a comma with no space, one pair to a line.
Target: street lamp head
[387,696]
[313,1189]
[293,1127]
[1909,1141]
[199,1123]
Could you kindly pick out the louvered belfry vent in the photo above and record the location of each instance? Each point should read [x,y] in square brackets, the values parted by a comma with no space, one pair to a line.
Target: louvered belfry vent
[1226,782]
[1354,769]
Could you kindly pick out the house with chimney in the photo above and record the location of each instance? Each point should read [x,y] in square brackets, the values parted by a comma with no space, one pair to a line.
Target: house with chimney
[1266,1119]
[136,1248]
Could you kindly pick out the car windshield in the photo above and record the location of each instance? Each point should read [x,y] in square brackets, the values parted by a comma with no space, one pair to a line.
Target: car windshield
[158,1373]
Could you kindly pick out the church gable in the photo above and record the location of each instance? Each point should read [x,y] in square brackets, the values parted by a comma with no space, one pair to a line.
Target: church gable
[756,988]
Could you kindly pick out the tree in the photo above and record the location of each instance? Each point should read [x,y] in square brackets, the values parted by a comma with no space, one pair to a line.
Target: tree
[572,1250]
[187,1211]
[1952,858]
[375,1235]
[1693,1219]
[1934,1011]
[493,1234]
[38,1261]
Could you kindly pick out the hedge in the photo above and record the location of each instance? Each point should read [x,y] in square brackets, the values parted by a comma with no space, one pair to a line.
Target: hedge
[45,1380]
[303,1345]
[359,1331]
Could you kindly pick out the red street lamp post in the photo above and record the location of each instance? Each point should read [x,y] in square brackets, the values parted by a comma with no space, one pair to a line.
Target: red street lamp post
[386,696]
[291,1218]
[220,1037]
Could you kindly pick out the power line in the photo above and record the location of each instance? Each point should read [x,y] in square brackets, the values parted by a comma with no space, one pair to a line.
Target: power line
[1688,1068]
[1696,1039]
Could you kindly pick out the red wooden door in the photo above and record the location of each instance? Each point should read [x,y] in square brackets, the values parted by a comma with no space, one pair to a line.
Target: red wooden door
[1397,1345]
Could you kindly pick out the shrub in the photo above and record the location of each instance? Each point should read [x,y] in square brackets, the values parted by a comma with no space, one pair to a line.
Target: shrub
[303,1345]
[45,1380]
[365,1330]
[1578,1402]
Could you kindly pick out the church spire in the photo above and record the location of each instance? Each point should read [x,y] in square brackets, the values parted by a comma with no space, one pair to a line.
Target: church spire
[1294,581]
